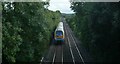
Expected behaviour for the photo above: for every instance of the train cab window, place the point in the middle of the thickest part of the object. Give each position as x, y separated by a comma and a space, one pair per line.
59, 33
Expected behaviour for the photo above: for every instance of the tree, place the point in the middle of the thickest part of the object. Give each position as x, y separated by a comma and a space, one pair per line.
97, 26
27, 29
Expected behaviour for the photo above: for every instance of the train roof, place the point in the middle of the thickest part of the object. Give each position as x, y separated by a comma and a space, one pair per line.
60, 27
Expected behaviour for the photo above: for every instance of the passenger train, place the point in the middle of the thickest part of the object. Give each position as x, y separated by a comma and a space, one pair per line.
59, 34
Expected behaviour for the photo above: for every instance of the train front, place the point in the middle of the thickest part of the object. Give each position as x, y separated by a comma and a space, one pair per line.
59, 34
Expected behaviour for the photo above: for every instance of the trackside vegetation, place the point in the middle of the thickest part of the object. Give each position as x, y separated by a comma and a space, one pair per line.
97, 25
26, 30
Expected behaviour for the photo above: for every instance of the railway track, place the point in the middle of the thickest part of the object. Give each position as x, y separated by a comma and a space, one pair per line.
76, 56
65, 53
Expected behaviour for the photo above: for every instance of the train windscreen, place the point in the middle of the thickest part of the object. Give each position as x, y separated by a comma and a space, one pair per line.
59, 33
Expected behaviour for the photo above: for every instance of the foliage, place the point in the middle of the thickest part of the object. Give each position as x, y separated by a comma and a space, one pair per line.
98, 27
26, 30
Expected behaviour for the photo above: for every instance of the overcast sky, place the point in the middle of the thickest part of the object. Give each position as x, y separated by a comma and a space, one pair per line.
62, 5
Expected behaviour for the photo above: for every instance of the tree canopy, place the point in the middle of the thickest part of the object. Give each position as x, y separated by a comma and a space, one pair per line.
26, 29
97, 25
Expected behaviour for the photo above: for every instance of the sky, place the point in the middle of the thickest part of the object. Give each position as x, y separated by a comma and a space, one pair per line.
62, 5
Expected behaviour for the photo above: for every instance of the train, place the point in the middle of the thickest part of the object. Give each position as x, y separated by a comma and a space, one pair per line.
59, 35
